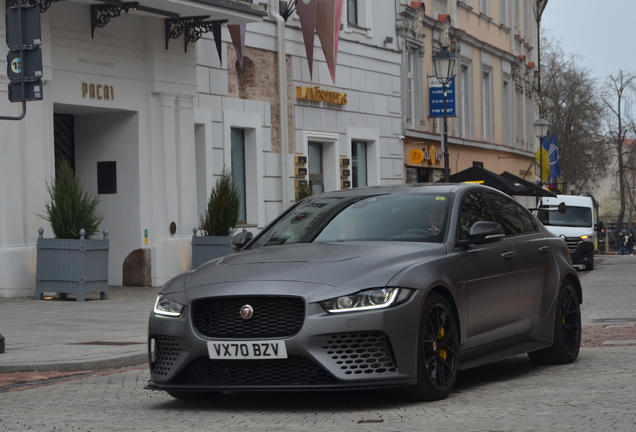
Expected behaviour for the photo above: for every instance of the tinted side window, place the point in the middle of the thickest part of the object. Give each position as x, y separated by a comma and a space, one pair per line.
513, 217
474, 209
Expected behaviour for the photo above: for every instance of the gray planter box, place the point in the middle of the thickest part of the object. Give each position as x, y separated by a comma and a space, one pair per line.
72, 266
206, 248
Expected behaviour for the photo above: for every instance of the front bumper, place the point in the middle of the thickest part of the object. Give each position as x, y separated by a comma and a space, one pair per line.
331, 351
583, 253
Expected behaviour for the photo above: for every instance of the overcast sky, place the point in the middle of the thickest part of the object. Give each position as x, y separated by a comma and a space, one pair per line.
601, 32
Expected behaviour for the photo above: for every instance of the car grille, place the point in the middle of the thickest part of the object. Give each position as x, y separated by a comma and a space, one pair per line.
290, 371
361, 353
572, 242
273, 317
166, 352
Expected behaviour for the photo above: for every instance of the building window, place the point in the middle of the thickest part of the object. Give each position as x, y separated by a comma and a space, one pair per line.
484, 7
410, 98
519, 117
515, 18
352, 12
413, 86
440, 6
465, 111
487, 106
315, 163
359, 164
507, 110
238, 168
503, 12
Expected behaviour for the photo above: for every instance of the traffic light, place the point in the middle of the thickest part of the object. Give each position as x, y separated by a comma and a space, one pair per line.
24, 60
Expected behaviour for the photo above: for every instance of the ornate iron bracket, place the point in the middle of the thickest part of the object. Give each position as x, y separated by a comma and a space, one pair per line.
193, 27
101, 14
194, 32
44, 4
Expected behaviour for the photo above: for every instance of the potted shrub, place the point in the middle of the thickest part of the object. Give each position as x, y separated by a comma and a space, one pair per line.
218, 222
72, 262
304, 190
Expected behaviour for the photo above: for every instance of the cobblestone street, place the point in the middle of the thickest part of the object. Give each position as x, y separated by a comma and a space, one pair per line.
593, 394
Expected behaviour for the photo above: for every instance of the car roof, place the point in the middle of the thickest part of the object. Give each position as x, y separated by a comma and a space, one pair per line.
406, 188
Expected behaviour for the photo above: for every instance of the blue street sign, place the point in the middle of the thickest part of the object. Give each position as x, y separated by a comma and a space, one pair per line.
436, 98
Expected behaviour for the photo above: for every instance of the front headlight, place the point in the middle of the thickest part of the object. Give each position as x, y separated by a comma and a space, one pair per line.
167, 307
376, 298
586, 238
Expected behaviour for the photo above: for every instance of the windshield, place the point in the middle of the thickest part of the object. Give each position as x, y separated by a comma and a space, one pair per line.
406, 217
573, 217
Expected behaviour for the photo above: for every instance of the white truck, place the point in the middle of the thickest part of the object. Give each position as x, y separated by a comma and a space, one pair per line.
576, 225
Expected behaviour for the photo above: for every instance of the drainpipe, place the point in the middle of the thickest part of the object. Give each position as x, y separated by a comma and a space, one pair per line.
282, 94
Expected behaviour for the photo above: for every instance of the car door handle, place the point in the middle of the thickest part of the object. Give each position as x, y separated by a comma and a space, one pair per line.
544, 249
508, 255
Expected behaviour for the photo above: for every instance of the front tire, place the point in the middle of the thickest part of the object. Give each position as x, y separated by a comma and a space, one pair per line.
567, 330
438, 351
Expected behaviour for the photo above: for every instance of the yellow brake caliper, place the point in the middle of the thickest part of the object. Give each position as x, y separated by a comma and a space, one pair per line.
442, 352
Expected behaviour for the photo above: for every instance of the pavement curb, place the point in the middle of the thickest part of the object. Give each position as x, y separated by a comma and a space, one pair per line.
78, 365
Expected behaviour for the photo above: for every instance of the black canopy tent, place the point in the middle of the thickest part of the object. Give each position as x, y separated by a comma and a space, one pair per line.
510, 184
534, 188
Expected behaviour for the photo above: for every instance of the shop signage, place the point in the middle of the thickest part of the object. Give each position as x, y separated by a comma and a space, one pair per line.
326, 96
98, 91
430, 155
436, 98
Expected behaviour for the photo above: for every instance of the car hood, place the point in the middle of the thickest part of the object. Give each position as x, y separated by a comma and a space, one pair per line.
346, 264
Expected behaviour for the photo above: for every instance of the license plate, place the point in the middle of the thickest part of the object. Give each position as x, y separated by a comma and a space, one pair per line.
242, 350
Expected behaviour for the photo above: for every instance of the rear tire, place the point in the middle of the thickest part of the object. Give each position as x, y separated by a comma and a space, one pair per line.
438, 351
567, 330
194, 395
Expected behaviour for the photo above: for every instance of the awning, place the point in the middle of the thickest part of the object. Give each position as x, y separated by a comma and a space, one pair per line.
234, 11
535, 189
480, 175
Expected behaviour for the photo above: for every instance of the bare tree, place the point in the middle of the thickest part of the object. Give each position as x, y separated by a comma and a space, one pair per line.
570, 102
617, 99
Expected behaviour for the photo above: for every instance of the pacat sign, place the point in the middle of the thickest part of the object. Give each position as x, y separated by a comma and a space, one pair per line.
98, 91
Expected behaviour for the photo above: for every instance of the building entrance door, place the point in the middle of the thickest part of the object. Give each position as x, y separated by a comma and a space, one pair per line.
64, 139
315, 162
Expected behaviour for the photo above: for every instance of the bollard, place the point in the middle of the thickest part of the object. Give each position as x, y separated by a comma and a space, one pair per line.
1, 344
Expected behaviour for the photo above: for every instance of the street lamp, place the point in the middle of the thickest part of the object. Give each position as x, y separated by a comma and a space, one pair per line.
444, 67
541, 127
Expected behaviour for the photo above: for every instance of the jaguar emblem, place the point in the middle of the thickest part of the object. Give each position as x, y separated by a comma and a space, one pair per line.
247, 311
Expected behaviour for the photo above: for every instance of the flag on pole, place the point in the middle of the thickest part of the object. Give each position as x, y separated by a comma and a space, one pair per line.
555, 160
544, 161
307, 15
237, 32
328, 17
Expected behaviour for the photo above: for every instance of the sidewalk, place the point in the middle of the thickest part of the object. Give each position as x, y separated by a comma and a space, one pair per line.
66, 335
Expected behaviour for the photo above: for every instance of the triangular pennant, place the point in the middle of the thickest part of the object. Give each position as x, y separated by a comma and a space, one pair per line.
328, 16
307, 15
216, 32
237, 32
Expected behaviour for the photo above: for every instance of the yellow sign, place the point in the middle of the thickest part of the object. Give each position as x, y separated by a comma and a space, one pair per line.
416, 156
315, 94
98, 91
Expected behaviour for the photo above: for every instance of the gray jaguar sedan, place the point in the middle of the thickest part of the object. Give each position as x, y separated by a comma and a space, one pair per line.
394, 286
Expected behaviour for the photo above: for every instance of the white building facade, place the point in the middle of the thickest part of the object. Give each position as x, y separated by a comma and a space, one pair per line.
127, 97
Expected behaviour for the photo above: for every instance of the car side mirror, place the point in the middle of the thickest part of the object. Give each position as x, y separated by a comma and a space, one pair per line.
241, 239
484, 232
562, 208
